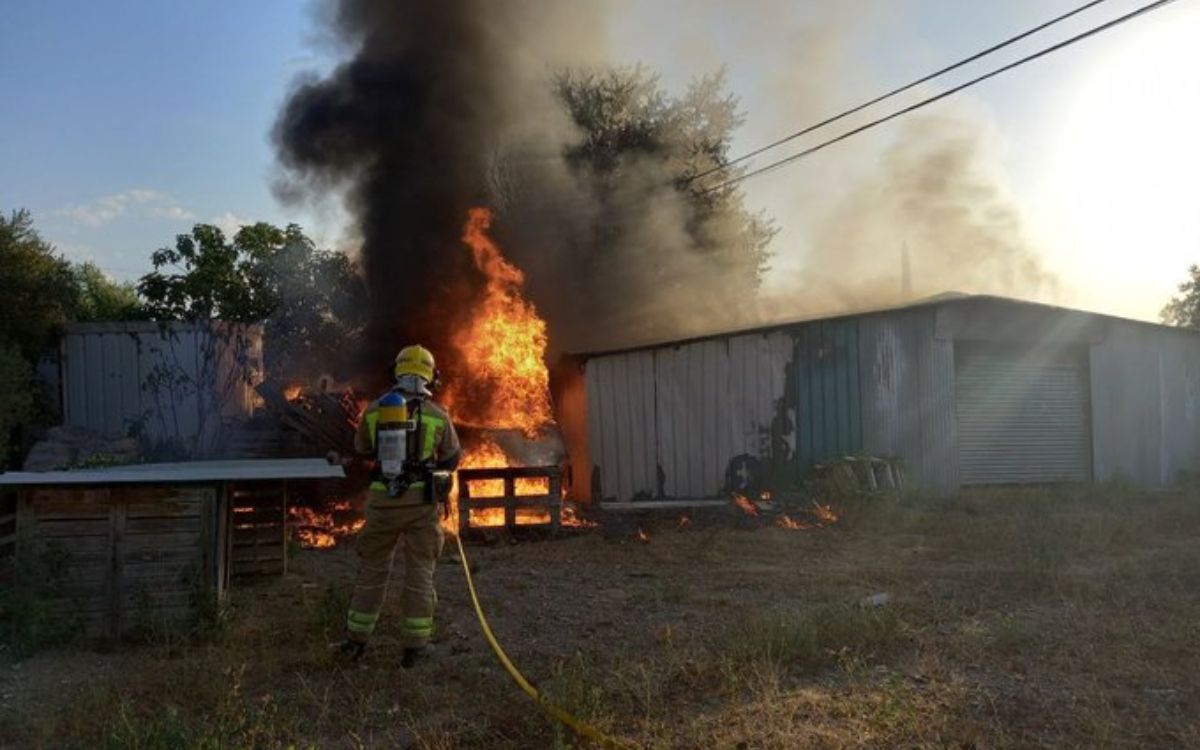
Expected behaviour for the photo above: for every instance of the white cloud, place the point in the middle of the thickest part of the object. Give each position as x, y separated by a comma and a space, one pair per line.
229, 223
107, 208
178, 213
145, 196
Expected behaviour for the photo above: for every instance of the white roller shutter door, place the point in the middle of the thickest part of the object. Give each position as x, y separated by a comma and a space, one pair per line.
1022, 415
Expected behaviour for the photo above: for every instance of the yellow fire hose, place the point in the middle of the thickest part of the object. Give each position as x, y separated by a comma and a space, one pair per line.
580, 727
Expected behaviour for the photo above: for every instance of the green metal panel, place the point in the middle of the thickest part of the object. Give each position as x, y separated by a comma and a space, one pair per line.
827, 394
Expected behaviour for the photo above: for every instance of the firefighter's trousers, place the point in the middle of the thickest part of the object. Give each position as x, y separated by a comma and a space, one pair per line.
409, 524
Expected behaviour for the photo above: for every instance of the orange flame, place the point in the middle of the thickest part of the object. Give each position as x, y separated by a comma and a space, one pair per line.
292, 392
785, 522
642, 536
822, 516
317, 530
503, 345
745, 504
488, 455
506, 384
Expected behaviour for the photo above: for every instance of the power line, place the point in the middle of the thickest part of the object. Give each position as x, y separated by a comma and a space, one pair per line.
899, 90
938, 97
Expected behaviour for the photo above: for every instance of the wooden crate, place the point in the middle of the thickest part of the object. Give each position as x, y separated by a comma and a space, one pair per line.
135, 553
258, 521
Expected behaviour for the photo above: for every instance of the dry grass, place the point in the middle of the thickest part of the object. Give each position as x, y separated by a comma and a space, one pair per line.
1046, 618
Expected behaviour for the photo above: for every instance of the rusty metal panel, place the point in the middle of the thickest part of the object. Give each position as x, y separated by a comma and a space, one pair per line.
757, 375
600, 429
571, 411
907, 381
639, 479
671, 420
1145, 404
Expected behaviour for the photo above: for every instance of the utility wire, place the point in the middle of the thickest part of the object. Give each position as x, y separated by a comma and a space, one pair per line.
938, 97
899, 90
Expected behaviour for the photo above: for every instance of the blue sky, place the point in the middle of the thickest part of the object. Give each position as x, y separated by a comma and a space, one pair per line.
125, 122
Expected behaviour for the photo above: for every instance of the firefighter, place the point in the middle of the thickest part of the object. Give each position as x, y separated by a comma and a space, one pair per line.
414, 447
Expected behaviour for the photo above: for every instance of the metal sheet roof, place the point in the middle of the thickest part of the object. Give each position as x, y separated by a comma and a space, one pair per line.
937, 301
190, 471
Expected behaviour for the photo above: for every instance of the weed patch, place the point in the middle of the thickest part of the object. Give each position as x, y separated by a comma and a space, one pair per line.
331, 612
813, 640
39, 608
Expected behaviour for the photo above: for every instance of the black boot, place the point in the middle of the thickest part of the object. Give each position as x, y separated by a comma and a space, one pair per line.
414, 654
350, 650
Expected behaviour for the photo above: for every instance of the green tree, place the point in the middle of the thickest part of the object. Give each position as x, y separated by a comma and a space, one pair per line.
622, 235
101, 298
18, 401
625, 120
39, 287
309, 300
1184, 310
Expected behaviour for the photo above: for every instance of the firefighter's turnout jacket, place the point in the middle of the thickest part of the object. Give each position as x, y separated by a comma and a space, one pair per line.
408, 522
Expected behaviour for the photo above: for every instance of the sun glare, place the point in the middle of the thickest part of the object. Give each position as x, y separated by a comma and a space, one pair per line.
1121, 179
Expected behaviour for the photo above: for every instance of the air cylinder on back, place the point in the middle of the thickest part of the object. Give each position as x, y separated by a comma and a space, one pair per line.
394, 427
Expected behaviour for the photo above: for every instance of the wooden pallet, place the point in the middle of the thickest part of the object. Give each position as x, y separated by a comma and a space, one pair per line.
258, 517
510, 501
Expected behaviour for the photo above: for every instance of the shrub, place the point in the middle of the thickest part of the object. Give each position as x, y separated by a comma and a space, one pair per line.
18, 401
38, 608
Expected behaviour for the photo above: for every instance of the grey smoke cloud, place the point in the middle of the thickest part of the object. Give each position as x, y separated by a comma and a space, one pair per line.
936, 191
442, 106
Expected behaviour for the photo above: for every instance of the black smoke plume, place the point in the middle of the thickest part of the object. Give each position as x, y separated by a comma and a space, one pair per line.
403, 128
443, 106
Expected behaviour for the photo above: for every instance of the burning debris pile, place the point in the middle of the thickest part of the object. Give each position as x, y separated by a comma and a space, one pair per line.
818, 516
501, 397
322, 420
297, 421
315, 529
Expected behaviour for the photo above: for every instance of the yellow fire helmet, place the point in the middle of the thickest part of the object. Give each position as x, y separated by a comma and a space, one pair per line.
416, 360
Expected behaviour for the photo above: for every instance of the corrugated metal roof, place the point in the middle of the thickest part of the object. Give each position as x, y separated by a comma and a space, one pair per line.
190, 471
946, 298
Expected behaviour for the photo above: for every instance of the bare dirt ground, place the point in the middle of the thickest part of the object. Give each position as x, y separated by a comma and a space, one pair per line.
1037, 618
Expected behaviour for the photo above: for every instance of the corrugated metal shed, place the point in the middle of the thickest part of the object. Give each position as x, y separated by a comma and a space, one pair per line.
1145, 386
666, 421
171, 381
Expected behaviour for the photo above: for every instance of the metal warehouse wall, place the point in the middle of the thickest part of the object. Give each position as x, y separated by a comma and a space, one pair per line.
667, 422
908, 395
1145, 404
119, 374
684, 411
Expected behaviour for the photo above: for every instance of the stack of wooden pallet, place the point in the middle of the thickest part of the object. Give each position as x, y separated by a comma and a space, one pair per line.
324, 421
853, 476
